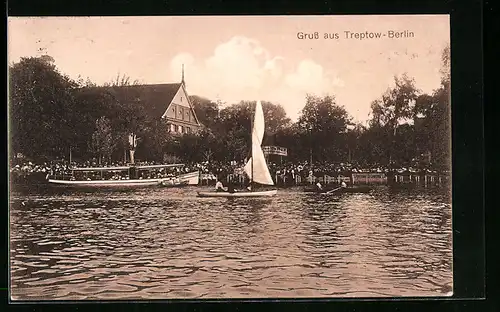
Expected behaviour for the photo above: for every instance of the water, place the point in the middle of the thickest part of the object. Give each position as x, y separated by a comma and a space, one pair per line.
165, 243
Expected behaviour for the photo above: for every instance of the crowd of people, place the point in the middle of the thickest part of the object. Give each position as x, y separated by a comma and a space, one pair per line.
219, 170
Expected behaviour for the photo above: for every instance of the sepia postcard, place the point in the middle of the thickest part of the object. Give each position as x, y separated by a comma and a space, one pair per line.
229, 157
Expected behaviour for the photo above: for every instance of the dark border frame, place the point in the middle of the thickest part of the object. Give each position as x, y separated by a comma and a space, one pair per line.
467, 133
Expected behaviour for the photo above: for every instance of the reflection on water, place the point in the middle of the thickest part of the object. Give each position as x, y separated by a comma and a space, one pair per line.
167, 243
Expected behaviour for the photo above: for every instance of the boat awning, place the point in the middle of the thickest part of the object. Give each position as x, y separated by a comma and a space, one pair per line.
159, 166
122, 168
101, 169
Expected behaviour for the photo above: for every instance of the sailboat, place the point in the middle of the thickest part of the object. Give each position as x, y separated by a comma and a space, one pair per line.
256, 167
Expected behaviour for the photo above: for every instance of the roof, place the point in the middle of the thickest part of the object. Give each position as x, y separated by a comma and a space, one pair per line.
155, 98
121, 168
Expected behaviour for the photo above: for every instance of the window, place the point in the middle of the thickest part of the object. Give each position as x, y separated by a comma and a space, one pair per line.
173, 110
181, 98
181, 112
172, 128
179, 129
188, 115
188, 130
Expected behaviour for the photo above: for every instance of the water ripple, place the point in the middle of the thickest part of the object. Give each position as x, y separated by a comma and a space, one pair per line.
167, 243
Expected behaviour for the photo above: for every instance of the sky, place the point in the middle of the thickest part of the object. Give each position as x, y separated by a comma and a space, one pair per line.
233, 58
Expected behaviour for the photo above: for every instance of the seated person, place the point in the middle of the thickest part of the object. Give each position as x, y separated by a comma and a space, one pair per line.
219, 187
319, 187
230, 188
343, 184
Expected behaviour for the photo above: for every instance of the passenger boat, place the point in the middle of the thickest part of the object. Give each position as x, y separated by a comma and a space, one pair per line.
123, 176
256, 167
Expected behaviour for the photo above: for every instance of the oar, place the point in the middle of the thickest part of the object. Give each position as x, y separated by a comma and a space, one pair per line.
331, 191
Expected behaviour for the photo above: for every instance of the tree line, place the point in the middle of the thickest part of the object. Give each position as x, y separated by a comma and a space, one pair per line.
51, 115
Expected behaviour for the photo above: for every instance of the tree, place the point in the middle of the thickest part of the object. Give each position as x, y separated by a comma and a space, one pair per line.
206, 110
442, 122
433, 118
121, 80
353, 137
446, 65
42, 108
102, 143
326, 123
129, 118
91, 104
395, 107
396, 104
155, 141
295, 140
275, 117
233, 130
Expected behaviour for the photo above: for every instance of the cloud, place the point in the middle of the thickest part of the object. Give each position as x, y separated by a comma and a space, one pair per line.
310, 77
242, 69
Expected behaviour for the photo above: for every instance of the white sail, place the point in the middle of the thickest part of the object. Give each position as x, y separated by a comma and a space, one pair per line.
260, 172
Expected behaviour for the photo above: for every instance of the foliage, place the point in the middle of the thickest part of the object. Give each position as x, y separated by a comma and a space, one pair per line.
396, 104
92, 104
326, 123
41, 108
395, 107
171, 159
446, 65
120, 81
102, 143
206, 111
50, 113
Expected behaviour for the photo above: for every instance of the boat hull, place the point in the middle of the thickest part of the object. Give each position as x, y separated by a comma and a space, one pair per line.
357, 189
191, 178
107, 183
352, 189
238, 194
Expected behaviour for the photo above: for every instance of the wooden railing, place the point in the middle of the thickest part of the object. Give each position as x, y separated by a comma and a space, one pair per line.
354, 178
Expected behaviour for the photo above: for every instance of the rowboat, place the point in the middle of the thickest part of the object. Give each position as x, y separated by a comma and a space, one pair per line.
340, 190
256, 167
356, 189
129, 177
238, 194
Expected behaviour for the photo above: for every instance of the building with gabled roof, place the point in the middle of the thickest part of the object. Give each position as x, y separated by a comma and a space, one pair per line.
169, 101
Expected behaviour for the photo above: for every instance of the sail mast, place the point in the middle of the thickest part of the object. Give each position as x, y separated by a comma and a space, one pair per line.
257, 164
251, 144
